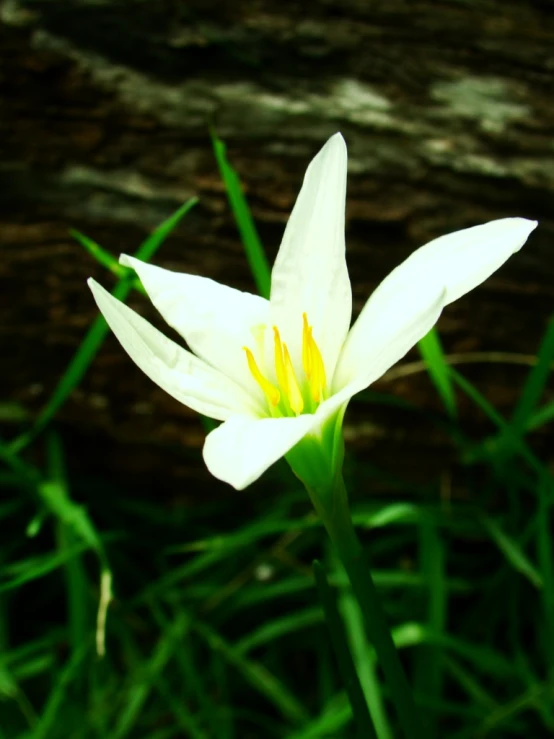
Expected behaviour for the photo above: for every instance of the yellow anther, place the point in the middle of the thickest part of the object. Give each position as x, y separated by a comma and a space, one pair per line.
312, 362
294, 395
270, 391
286, 392
280, 362
306, 355
286, 376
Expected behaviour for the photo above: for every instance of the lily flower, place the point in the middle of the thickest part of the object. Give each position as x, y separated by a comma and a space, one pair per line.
279, 373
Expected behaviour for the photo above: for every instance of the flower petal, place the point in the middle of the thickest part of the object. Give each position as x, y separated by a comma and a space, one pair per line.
390, 323
216, 321
241, 449
187, 378
310, 274
464, 259
409, 301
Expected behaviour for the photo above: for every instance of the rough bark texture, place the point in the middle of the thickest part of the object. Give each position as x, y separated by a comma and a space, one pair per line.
446, 107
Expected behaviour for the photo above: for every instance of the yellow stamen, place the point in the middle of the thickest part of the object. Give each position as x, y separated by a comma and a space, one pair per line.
286, 390
270, 391
294, 395
286, 376
313, 362
279, 362
306, 356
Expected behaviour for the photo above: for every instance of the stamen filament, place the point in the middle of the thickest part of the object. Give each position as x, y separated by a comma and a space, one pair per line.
312, 362
286, 392
286, 376
294, 396
306, 356
279, 362
270, 391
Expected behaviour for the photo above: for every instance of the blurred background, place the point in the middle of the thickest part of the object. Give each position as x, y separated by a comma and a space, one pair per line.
106, 108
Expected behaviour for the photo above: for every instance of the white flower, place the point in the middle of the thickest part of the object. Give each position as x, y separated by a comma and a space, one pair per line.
279, 371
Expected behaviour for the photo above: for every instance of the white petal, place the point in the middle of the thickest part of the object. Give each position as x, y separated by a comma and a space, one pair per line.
310, 273
464, 259
390, 323
187, 378
241, 449
216, 321
409, 301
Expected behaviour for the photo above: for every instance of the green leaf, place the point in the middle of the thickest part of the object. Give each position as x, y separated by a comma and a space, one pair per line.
249, 235
55, 495
431, 350
429, 665
330, 723
545, 556
102, 256
71, 514
90, 345
274, 629
490, 411
19, 573
147, 677
535, 382
29, 475
152, 243
363, 656
51, 712
541, 417
345, 661
513, 552
258, 676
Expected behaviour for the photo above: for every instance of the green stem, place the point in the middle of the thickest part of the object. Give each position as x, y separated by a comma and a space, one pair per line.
345, 661
338, 523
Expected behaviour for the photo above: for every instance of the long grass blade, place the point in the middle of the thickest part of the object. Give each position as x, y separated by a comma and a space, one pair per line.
363, 656
513, 552
545, 556
535, 383
432, 353
429, 675
256, 675
245, 223
90, 345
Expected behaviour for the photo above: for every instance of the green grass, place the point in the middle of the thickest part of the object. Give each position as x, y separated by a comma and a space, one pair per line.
216, 629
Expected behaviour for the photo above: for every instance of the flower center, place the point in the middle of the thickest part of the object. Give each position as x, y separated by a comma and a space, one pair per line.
289, 395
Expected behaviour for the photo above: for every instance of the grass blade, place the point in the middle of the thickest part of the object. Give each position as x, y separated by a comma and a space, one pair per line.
431, 350
97, 333
332, 720
249, 235
545, 556
147, 678
102, 256
50, 717
364, 659
152, 243
279, 627
429, 678
535, 382
498, 420
513, 552
541, 417
256, 675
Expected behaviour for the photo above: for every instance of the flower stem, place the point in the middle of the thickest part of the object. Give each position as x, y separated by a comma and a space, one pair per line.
338, 523
350, 678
